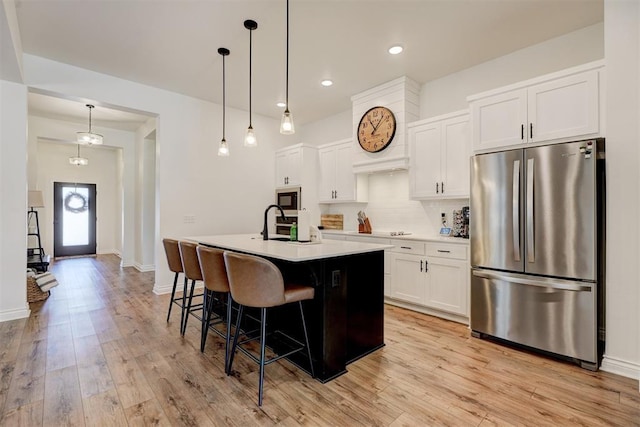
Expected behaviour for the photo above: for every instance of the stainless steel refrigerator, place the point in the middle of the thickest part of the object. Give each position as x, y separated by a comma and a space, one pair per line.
537, 248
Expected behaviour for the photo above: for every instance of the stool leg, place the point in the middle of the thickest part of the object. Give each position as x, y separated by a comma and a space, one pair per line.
306, 340
228, 337
188, 310
207, 307
263, 339
173, 294
235, 338
184, 302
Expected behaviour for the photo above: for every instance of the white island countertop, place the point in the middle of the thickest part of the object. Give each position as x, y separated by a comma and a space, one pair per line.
288, 251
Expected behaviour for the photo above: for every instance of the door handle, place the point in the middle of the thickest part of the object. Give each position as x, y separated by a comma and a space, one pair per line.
426, 266
542, 282
530, 130
437, 190
531, 257
336, 194
515, 210
442, 187
522, 131
420, 266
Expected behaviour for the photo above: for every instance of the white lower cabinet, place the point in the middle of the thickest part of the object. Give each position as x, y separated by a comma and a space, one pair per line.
437, 280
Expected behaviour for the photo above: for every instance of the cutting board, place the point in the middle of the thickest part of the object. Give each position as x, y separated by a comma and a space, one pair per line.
332, 221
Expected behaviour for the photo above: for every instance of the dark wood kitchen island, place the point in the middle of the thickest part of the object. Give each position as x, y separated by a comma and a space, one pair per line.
345, 319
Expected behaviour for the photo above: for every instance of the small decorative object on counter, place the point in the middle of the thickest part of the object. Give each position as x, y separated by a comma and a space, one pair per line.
293, 234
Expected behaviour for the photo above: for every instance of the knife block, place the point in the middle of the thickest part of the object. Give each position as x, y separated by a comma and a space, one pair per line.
365, 228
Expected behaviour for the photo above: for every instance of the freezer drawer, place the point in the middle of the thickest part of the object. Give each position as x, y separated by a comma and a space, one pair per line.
554, 315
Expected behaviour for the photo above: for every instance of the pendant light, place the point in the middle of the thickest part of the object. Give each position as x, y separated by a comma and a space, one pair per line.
250, 137
286, 125
77, 160
89, 138
223, 149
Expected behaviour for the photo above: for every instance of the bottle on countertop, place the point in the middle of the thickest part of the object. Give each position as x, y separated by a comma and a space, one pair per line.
293, 233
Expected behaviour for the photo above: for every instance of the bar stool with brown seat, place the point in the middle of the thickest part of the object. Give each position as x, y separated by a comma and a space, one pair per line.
257, 282
172, 251
191, 267
214, 275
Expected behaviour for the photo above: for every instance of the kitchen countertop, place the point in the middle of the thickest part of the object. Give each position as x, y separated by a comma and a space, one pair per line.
287, 251
386, 235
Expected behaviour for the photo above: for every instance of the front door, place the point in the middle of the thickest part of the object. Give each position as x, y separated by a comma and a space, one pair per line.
74, 219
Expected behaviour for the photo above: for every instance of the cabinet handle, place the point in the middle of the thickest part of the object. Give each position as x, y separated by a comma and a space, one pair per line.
522, 131
426, 266
444, 252
531, 130
405, 247
336, 194
442, 187
437, 190
420, 266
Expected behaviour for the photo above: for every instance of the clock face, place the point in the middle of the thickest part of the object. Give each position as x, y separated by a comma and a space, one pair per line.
376, 129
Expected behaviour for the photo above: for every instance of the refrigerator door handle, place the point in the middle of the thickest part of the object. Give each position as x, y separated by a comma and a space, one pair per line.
542, 282
531, 257
516, 210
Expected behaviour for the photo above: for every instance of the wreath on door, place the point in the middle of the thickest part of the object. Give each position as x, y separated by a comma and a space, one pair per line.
75, 202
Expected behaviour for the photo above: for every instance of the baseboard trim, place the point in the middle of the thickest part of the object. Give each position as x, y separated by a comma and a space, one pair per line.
427, 310
143, 268
14, 314
621, 367
166, 289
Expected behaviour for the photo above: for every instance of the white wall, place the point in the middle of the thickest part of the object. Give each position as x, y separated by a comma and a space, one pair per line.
622, 52
102, 171
226, 195
145, 206
13, 201
449, 93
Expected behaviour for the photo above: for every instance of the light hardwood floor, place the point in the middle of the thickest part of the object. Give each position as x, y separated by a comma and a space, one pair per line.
99, 352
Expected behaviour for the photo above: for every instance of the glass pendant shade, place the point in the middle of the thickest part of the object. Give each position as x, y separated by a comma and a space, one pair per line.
223, 149
250, 138
79, 161
89, 138
286, 125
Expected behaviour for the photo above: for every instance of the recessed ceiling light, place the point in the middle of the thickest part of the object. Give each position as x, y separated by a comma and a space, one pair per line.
281, 104
326, 83
394, 50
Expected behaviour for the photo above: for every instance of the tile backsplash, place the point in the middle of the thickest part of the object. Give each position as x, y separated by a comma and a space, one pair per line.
390, 209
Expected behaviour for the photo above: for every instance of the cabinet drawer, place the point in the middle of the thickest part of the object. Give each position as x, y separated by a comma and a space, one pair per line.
447, 250
408, 247
367, 239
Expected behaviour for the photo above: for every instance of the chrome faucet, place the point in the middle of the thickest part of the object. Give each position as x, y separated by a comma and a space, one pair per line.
265, 231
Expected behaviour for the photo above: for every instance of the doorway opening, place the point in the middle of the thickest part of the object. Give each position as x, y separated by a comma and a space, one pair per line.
74, 219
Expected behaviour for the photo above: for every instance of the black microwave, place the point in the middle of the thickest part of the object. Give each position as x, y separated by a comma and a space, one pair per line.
289, 199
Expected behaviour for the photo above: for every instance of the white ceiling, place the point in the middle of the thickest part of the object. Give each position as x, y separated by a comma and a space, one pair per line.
172, 44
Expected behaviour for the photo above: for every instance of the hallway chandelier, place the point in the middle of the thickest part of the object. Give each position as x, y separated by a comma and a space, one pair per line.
77, 160
223, 149
250, 137
286, 125
89, 138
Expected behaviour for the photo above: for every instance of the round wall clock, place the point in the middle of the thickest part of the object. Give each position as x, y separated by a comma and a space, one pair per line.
376, 129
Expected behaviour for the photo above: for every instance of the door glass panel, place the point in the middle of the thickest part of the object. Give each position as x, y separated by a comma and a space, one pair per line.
75, 216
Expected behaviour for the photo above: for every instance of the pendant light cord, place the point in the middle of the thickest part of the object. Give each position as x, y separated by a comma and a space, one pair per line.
223, 98
250, 57
287, 68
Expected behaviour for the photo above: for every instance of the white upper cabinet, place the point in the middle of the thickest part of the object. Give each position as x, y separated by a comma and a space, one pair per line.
553, 108
564, 107
337, 182
288, 165
499, 120
440, 150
